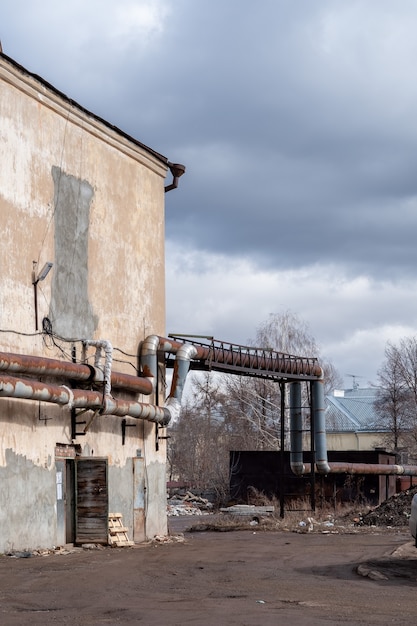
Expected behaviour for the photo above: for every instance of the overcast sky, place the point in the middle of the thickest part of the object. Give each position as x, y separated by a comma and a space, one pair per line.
296, 120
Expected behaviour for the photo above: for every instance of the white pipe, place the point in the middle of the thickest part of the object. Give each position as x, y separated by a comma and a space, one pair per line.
181, 368
103, 344
28, 389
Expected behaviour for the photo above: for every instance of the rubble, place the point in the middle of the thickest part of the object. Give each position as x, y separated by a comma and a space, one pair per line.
188, 504
392, 512
248, 509
26, 554
160, 539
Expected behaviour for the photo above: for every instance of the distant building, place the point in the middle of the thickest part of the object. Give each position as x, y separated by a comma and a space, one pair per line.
354, 434
351, 420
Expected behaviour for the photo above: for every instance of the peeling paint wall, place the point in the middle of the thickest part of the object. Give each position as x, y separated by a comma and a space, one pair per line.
27, 493
75, 192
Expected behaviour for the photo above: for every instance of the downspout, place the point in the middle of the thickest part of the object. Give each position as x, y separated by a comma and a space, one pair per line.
176, 170
296, 430
317, 393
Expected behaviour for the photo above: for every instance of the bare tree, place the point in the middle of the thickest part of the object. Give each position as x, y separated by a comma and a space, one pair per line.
287, 332
198, 447
396, 401
231, 412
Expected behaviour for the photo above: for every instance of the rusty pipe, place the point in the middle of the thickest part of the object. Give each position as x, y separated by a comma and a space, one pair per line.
26, 389
149, 359
41, 366
271, 361
373, 468
139, 410
149, 365
181, 369
368, 468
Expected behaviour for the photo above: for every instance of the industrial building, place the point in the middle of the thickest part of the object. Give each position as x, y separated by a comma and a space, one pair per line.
81, 287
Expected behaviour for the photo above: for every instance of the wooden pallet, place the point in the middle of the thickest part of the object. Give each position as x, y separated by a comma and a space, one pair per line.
117, 532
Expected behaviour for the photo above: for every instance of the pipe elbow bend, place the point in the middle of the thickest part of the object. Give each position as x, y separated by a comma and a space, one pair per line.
173, 408
323, 467
298, 468
150, 345
186, 352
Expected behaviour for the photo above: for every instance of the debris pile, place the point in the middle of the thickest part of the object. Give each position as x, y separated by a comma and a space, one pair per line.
188, 504
392, 512
248, 510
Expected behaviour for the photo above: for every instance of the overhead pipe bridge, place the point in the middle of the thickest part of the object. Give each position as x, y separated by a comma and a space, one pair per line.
230, 358
85, 387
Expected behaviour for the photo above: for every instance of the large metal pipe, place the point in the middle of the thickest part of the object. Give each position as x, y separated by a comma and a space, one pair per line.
41, 366
368, 468
235, 356
375, 468
296, 429
26, 389
318, 408
149, 359
246, 357
181, 369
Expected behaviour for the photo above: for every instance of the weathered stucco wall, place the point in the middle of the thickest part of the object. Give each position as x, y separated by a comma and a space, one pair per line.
78, 193
74, 192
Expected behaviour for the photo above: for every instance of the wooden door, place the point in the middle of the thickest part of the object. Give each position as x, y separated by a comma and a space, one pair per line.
91, 507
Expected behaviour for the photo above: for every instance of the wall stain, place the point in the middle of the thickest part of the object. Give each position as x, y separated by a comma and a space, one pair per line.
71, 313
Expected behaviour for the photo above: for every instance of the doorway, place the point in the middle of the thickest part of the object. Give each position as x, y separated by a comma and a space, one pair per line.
65, 492
82, 500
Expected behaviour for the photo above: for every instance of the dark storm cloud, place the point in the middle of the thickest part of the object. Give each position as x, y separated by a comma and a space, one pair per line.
295, 119
296, 122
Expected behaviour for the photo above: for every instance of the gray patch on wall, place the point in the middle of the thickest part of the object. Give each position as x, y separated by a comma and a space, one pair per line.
27, 504
71, 313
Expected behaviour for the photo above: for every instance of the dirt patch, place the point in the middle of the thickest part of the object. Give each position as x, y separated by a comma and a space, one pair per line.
242, 578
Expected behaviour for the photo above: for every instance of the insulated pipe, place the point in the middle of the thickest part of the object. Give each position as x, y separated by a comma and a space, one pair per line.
105, 345
33, 390
368, 468
271, 361
26, 389
149, 365
296, 430
318, 408
149, 359
41, 366
181, 369
149, 412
